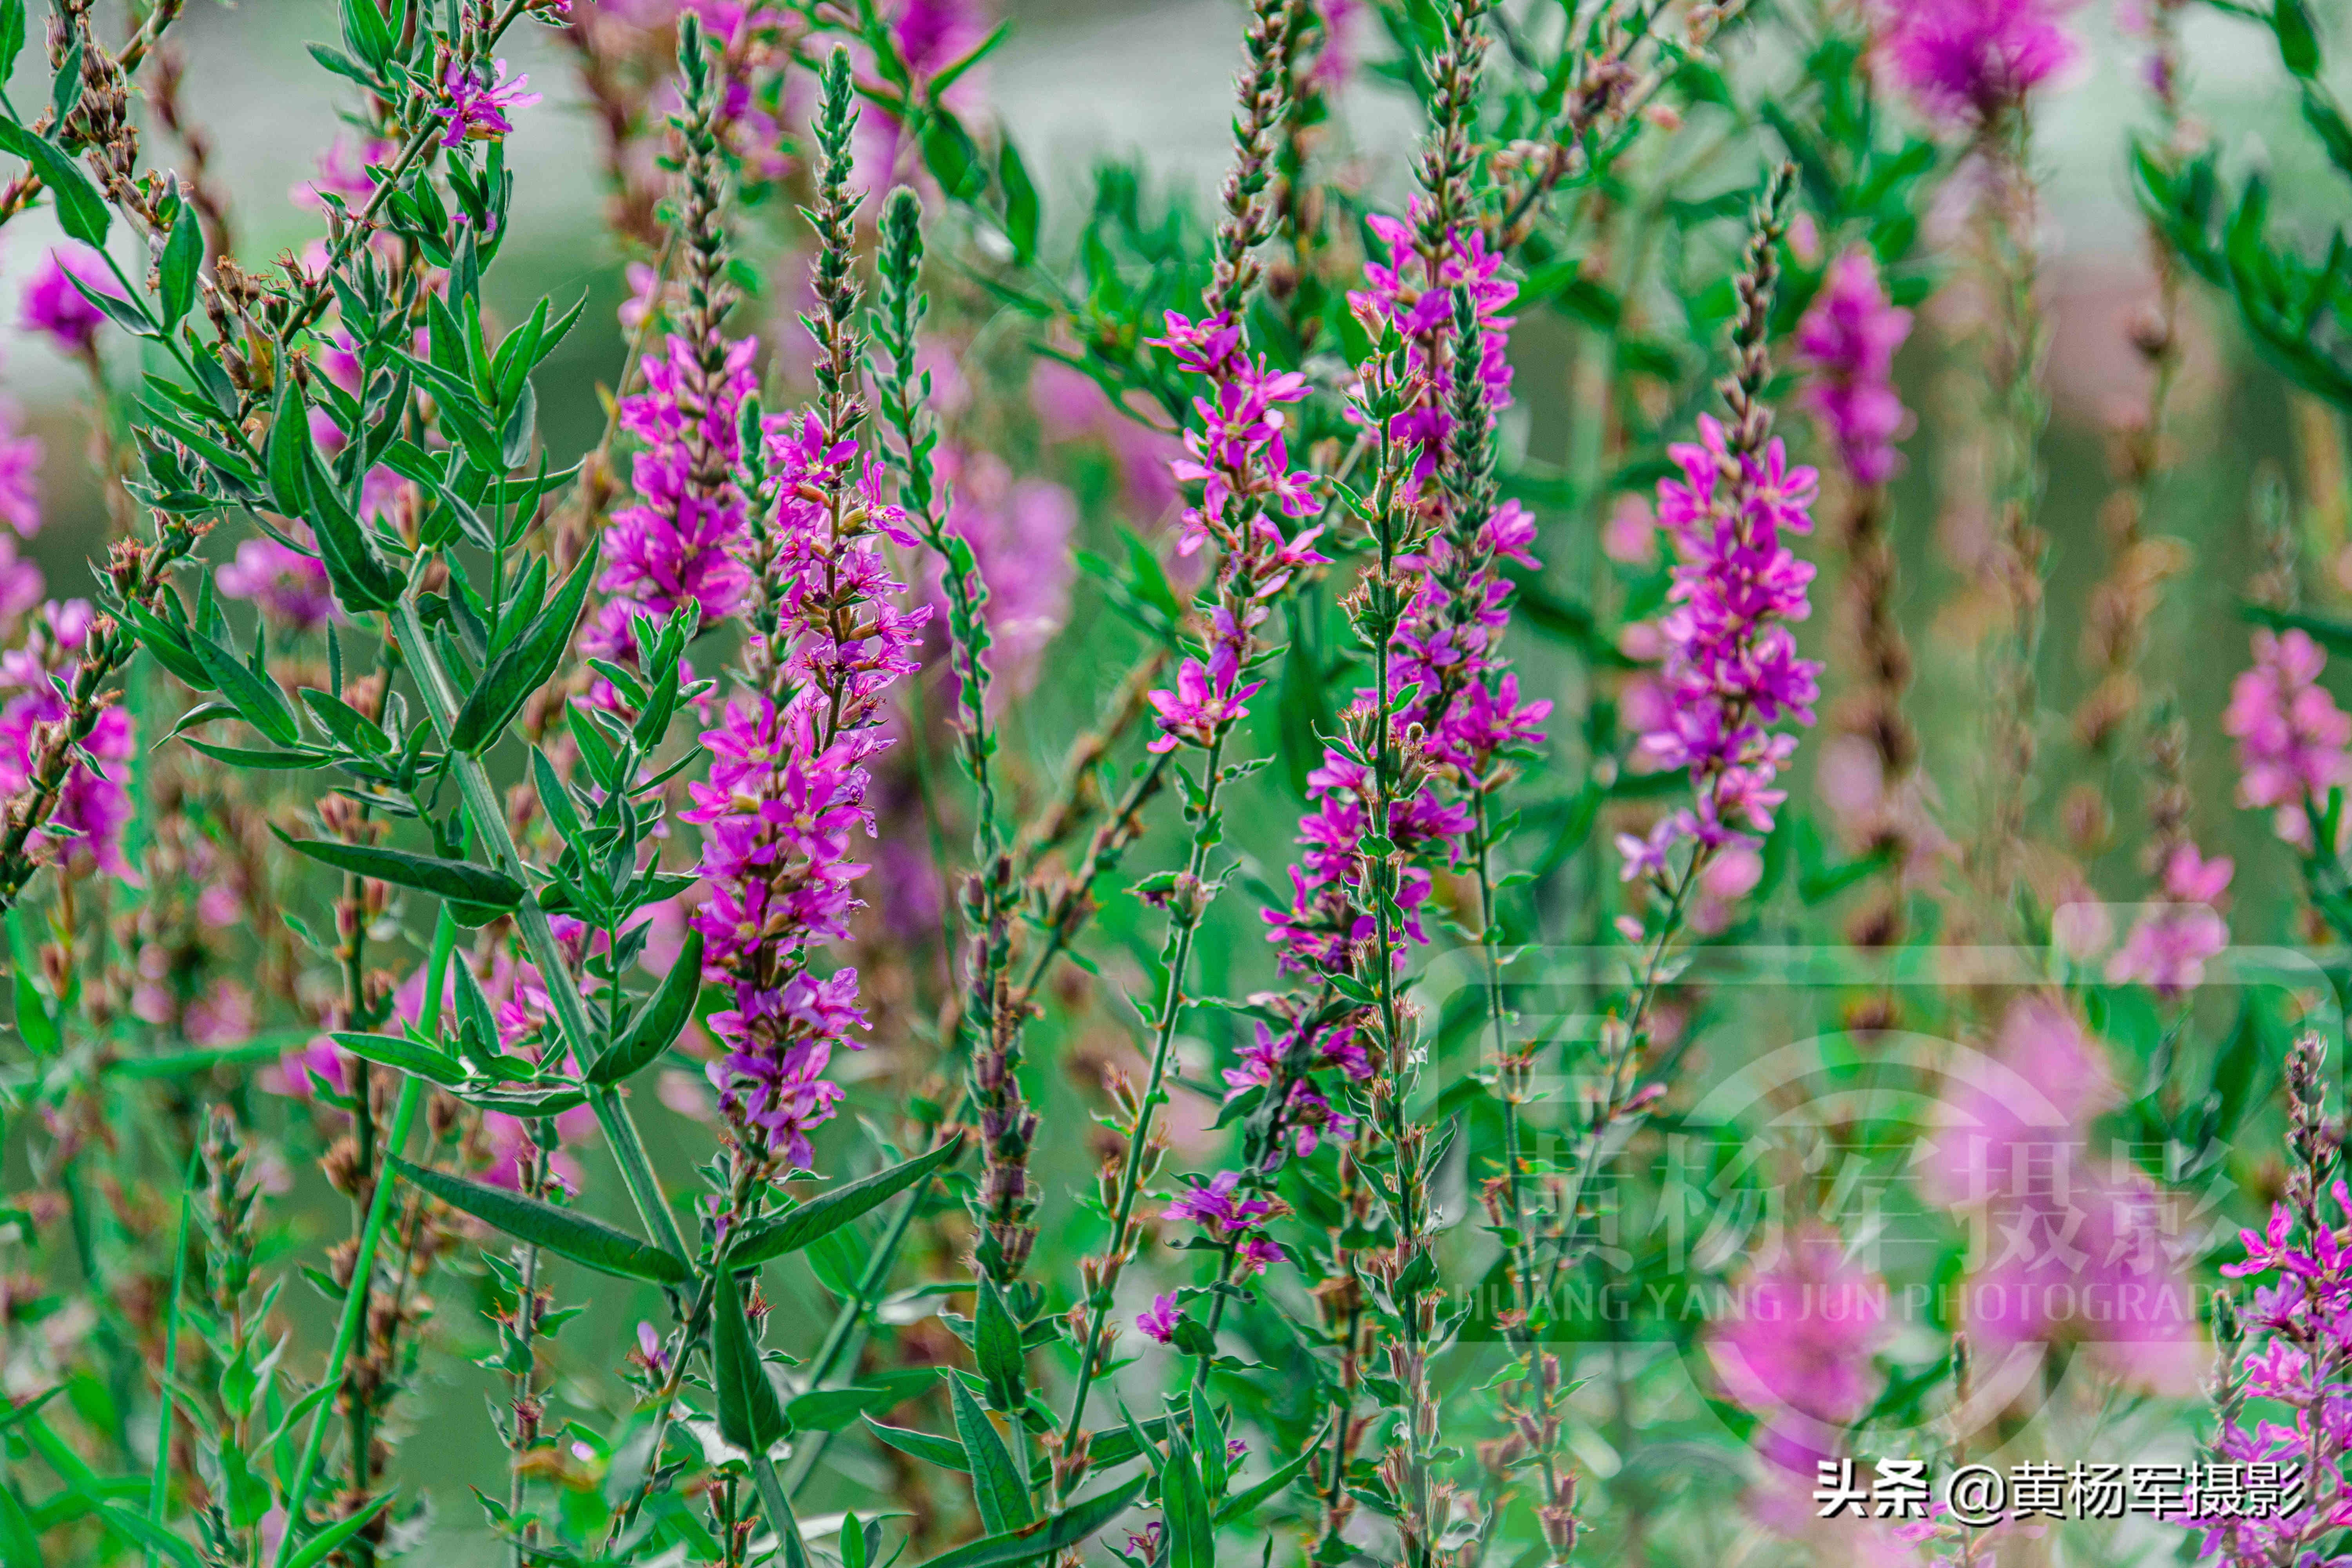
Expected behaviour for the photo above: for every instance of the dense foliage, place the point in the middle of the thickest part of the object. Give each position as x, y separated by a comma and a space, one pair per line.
1104, 872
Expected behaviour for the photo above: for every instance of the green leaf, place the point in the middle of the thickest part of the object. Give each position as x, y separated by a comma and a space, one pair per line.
1021, 210
1071, 1527
317, 1549
660, 1021
831, 1409
34, 1023
2298, 40
523, 666
12, 35
945, 1453
356, 568
257, 700
749, 1416
20, 1544
996, 1346
287, 453
407, 1055
1184, 1505
822, 1215
996, 1486
1244, 1505
184, 253
148, 1533
461, 881
258, 758
590, 1242
82, 211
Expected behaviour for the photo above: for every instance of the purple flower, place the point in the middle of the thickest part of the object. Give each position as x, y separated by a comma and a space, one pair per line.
1795, 1344
290, 586
1847, 343
343, 173
1206, 702
788, 782
2072, 1242
55, 308
1402, 295
20, 468
1730, 669
1238, 457
2291, 735
474, 100
2168, 948
1158, 1323
1217, 1208
2288, 1419
678, 541
1974, 59
1335, 54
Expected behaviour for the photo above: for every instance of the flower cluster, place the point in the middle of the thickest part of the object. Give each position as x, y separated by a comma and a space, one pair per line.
1798, 1349
1731, 669
2291, 735
1402, 295
1846, 343
788, 782
1240, 459
1967, 60
1232, 1220
2081, 1255
1306, 1117
2300, 1323
2167, 947
475, 98
679, 540
1020, 533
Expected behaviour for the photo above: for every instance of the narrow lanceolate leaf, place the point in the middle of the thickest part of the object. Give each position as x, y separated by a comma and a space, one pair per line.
1244, 1505
996, 1346
321, 1546
945, 1453
356, 568
1071, 1527
750, 1416
148, 1533
182, 254
461, 881
524, 665
996, 1486
255, 695
82, 211
659, 1023
795, 1228
588, 1242
1184, 1506
406, 1055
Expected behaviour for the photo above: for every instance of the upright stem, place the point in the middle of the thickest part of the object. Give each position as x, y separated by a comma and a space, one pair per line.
1188, 911
563, 997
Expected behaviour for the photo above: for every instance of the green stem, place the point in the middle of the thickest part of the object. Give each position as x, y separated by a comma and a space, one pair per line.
562, 990
347, 1331
158, 1491
779, 1510
1171, 1007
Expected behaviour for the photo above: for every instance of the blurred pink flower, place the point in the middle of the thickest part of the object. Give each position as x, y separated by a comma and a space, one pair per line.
290, 587
1965, 60
20, 467
53, 307
2291, 735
